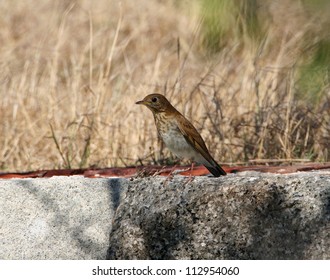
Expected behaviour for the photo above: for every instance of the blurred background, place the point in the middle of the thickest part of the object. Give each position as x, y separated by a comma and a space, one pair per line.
253, 76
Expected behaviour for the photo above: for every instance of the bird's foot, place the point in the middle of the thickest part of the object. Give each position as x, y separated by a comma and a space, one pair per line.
189, 180
170, 176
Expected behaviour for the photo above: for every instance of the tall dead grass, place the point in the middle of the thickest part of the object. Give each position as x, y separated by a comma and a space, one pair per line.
71, 72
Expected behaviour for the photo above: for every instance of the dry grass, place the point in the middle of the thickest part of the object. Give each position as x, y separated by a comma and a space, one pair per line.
71, 72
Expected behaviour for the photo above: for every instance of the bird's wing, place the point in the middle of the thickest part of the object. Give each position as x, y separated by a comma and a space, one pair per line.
196, 141
193, 137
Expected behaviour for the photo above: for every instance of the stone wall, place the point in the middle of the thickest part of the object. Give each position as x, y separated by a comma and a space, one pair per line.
248, 215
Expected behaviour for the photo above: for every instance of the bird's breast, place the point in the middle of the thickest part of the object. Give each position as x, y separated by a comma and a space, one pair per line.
174, 140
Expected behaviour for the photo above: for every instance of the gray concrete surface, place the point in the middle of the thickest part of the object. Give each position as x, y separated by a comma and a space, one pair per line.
57, 218
248, 215
245, 216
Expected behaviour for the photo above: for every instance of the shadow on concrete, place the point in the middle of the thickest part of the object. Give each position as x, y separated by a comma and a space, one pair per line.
62, 222
283, 229
278, 226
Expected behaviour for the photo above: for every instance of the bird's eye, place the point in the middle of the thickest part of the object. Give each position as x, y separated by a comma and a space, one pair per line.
154, 99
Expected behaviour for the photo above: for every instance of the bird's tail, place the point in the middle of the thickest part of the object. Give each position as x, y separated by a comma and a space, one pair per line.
215, 168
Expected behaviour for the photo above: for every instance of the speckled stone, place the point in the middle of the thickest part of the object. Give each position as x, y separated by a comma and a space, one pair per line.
248, 215
57, 218
239, 216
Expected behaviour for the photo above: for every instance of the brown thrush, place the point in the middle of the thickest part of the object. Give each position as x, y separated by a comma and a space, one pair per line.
178, 134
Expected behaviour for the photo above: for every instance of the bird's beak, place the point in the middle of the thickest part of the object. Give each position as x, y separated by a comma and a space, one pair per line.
141, 102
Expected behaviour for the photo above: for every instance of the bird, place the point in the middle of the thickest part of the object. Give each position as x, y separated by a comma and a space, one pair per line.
178, 134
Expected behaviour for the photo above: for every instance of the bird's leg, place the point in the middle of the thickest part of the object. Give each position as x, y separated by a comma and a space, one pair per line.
187, 169
170, 175
190, 178
192, 168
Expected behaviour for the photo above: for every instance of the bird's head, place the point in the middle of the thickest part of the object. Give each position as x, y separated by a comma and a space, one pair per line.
156, 102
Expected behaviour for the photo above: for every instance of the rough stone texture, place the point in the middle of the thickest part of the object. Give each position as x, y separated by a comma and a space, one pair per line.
245, 216
57, 218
